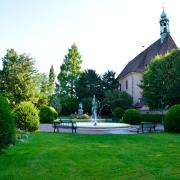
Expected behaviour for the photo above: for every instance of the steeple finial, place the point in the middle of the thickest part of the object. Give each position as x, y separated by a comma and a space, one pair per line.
164, 25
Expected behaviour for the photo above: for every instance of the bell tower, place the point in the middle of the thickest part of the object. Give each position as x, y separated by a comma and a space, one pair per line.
164, 25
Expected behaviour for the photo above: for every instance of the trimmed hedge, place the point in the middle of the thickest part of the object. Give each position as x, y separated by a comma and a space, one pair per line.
7, 124
132, 116
27, 116
157, 118
47, 114
172, 119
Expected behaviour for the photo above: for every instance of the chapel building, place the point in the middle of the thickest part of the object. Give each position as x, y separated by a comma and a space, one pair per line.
131, 75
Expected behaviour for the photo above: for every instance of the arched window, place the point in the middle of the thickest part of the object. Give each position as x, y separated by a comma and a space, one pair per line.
126, 84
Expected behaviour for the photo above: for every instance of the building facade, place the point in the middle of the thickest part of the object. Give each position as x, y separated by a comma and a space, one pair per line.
131, 76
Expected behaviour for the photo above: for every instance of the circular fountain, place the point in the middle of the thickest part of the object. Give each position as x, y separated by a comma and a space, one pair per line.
101, 125
95, 124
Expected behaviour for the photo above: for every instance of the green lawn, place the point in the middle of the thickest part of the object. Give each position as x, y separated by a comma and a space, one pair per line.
74, 156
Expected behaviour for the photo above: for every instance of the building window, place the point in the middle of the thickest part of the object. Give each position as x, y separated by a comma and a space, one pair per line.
120, 86
126, 84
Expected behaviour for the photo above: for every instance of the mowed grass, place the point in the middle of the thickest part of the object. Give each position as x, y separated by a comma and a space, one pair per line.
74, 156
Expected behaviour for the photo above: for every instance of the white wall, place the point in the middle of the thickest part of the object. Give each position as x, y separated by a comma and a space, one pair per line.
134, 90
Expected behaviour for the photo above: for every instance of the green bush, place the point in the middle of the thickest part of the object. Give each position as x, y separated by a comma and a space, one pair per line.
132, 116
157, 118
118, 112
116, 98
172, 119
27, 116
106, 111
7, 124
77, 116
69, 105
47, 114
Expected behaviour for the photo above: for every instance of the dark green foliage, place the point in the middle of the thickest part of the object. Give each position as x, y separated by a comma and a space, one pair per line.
87, 105
7, 124
27, 117
116, 98
69, 72
132, 116
69, 105
161, 80
47, 114
51, 85
109, 80
157, 118
106, 111
18, 78
172, 119
55, 99
89, 84
118, 112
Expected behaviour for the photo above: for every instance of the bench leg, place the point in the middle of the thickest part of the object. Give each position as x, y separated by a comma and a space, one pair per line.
137, 130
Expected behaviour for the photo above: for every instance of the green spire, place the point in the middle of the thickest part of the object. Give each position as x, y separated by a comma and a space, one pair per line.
164, 25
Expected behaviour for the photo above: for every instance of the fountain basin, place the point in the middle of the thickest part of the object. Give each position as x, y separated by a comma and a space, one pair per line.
101, 125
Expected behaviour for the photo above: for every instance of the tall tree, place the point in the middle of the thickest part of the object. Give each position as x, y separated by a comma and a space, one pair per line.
70, 71
18, 77
161, 80
109, 80
51, 85
90, 84
43, 89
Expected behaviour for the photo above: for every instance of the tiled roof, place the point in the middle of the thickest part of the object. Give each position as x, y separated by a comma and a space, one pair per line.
139, 63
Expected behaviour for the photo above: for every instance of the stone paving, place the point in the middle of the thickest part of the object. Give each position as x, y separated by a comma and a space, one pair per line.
132, 130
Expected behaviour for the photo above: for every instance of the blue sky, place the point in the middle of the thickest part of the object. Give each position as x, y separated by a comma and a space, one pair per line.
108, 33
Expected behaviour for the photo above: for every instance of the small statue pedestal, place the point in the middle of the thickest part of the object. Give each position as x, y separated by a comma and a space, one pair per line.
80, 111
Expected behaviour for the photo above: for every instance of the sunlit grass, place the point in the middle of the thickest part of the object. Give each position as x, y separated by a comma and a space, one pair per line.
75, 156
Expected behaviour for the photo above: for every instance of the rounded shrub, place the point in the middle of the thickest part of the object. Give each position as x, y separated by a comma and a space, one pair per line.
172, 119
132, 116
27, 116
118, 112
7, 124
47, 114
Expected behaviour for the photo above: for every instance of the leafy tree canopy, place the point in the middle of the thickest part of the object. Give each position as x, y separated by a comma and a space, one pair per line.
161, 80
89, 84
18, 77
116, 98
109, 80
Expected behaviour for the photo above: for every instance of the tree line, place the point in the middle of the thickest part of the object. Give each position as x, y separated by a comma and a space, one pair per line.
21, 81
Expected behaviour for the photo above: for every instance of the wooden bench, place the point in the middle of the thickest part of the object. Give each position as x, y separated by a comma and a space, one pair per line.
146, 126
69, 124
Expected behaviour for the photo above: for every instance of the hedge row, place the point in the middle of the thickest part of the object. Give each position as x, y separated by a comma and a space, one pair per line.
7, 124
157, 118
133, 116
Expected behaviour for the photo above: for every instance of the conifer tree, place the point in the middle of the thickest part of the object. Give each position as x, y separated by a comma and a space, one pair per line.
69, 72
52, 77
